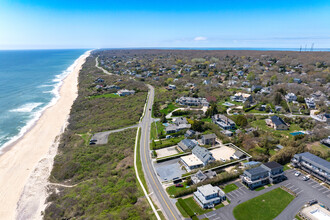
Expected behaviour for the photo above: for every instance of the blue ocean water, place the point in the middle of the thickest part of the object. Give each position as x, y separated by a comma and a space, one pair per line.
29, 83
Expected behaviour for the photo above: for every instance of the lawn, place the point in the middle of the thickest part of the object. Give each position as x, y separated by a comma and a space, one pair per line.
229, 188
264, 207
261, 124
207, 120
170, 107
324, 150
109, 95
171, 190
167, 142
157, 128
259, 188
195, 207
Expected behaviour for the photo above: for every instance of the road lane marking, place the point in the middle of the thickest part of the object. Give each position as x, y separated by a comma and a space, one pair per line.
145, 154
299, 192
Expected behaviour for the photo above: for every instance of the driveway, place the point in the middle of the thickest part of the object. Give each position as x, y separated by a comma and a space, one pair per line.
305, 190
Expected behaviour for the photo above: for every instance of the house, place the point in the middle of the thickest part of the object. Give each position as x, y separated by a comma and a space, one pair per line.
265, 90
223, 122
203, 154
275, 171
171, 87
310, 103
262, 108
238, 155
125, 92
200, 176
278, 108
99, 80
326, 141
245, 83
279, 147
277, 123
256, 88
270, 172
171, 129
206, 82
290, 97
187, 144
191, 162
180, 120
190, 101
297, 80
227, 133
207, 196
112, 87
209, 139
251, 164
241, 97
189, 133
312, 164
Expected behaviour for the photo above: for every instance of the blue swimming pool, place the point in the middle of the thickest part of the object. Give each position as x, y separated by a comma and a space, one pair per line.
297, 133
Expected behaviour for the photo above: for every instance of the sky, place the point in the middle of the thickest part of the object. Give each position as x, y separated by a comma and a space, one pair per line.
55, 24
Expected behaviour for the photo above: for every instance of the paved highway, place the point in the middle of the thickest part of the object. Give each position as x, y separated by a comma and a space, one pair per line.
155, 187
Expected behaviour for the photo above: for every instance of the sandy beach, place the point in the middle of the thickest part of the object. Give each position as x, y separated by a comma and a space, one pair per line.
26, 165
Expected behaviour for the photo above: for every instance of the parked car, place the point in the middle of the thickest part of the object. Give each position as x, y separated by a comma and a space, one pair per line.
305, 178
312, 202
297, 173
92, 143
179, 185
168, 136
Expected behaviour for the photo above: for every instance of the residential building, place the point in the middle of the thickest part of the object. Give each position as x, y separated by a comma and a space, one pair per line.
297, 80
209, 139
277, 123
125, 92
256, 88
278, 108
180, 120
190, 101
191, 162
173, 128
270, 172
241, 97
171, 87
203, 154
189, 133
290, 97
187, 144
200, 176
326, 141
313, 164
223, 122
207, 196
310, 103
227, 133
238, 155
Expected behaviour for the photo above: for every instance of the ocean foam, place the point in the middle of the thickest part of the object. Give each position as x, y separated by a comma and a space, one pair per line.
36, 115
27, 107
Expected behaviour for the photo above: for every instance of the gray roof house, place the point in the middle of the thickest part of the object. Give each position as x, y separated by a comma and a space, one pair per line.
207, 196
313, 164
190, 133
209, 139
180, 120
200, 176
223, 122
278, 123
255, 177
238, 155
187, 144
203, 154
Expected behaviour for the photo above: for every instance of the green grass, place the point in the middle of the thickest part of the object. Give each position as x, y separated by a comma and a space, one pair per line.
109, 95
153, 131
195, 207
207, 120
167, 142
259, 188
324, 150
264, 207
229, 188
170, 107
86, 137
183, 212
139, 163
261, 124
286, 167
171, 190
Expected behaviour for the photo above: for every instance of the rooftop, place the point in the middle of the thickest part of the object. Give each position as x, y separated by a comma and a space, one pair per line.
272, 165
192, 160
323, 164
256, 170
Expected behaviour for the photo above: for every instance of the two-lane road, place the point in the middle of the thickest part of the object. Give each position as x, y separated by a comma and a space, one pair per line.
155, 187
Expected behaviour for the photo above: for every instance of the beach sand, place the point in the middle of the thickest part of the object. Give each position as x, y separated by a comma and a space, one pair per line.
26, 165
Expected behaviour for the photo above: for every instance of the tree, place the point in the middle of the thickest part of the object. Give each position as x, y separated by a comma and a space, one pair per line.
212, 110
163, 118
197, 126
241, 120
277, 98
300, 99
250, 76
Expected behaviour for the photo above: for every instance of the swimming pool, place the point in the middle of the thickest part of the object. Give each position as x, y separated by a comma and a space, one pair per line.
228, 104
297, 133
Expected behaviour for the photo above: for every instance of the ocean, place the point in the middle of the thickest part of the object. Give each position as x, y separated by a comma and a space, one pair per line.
29, 83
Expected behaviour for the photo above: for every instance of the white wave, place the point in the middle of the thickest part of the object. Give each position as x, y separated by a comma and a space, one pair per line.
27, 107
37, 114
46, 85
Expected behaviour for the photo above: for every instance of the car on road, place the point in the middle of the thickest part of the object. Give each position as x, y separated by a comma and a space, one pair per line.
179, 185
297, 173
305, 178
312, 202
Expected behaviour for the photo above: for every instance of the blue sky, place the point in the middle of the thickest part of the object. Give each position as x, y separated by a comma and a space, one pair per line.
42, 24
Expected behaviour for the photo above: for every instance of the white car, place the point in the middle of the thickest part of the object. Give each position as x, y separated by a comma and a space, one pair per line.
305, 178
297, 173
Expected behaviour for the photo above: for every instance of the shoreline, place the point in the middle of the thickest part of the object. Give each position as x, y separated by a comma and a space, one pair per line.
21, 160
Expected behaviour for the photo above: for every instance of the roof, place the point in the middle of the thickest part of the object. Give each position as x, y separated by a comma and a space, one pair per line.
180, 120
192, 160
208, 189
200, 175
256, 170
239, 153
277, 120
209, 136
171, 128
202, 153
251, 163
321, 163
187, 144
279, 146
273, 165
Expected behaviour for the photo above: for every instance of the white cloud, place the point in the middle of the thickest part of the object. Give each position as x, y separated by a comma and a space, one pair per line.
200, 39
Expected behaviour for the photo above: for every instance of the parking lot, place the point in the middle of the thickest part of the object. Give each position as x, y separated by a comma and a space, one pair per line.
169, 169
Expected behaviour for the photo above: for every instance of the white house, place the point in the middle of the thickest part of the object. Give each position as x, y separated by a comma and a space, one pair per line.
207, 196
290, 97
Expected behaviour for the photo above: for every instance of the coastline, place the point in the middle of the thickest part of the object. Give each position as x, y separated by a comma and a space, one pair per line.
33, 153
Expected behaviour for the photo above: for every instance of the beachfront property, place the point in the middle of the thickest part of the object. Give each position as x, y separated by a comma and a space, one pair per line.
209, 139
207, 196
241, 97
187, 144
290, 97
312, 164
277, 123
200, 176
270, 172
190, 101
125, 92
310, 103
